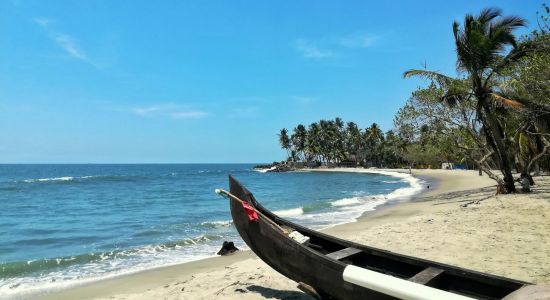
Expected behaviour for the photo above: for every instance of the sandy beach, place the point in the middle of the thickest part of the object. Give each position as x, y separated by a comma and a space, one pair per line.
458, 221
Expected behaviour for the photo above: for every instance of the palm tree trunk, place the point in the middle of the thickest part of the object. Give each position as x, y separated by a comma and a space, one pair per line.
493, 132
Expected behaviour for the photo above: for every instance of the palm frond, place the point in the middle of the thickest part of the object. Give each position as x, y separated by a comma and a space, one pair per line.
488, 14
509, 22
430, 75
514, 55
506, 102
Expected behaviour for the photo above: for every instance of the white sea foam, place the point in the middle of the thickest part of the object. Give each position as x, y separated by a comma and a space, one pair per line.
65, 178
289, 212
415, 184
108, 266
226, 223
346, 201
348, 209
265, 170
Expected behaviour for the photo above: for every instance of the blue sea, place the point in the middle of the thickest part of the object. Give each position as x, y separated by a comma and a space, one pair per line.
64, 225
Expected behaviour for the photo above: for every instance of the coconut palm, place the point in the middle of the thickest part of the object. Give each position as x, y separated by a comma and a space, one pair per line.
284, 141
338, 148
353, 141
298, 139
481, 48
373, 141
313, 141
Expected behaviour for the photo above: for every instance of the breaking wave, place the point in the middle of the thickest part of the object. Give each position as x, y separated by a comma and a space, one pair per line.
289, 212
68, 179
217, 224
345, 210
63, 272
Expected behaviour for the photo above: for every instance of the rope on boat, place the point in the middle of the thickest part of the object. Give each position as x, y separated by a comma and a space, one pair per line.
225, 193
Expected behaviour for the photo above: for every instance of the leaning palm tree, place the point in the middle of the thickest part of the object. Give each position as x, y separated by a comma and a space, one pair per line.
482, 45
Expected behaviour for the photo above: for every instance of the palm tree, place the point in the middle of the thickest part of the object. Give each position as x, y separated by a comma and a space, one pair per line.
313, 141
373, 139
284, 140
389, 149
339, 140
481, 48
325, 139
298, 139
353, 141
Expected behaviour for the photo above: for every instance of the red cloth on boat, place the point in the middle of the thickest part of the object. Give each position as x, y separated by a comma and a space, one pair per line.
252, 215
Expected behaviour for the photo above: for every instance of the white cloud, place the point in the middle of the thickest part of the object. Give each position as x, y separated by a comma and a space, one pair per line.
65, 41
334, 46
358, 41
308, 50
169, 110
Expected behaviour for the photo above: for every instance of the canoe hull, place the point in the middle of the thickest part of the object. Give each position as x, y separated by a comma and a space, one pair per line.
290, 258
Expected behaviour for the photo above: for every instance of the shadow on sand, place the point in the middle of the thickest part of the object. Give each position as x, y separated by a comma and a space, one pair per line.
278, 294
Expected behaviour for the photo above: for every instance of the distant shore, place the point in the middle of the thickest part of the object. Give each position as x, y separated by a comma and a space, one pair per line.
457, 221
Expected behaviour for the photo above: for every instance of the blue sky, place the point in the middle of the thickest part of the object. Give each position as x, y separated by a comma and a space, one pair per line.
208, 81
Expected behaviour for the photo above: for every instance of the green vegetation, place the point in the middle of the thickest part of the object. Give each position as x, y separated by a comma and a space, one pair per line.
333, 142
494, 115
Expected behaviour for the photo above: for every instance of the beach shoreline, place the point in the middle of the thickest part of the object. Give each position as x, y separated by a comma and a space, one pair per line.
245, 276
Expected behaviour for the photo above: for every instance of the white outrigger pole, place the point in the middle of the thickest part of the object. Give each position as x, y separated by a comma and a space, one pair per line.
396, 287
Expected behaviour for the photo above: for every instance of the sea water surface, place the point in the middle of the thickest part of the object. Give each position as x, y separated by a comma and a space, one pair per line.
63, 225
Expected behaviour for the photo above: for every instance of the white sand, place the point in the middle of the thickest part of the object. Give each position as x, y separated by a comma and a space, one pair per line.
505, 235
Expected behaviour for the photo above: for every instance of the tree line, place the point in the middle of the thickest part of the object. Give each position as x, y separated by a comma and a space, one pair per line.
333, 141
494, 115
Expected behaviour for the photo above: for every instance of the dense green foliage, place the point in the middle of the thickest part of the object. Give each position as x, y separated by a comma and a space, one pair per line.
333, 141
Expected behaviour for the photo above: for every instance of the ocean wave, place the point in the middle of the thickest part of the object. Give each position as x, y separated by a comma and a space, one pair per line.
67, 179
349, 209
265, 170
25, 278
340, 214
217, 224
359, 193
330, 213
64, 178
346, 201
289, 212
14, 269
415, 184
62, 273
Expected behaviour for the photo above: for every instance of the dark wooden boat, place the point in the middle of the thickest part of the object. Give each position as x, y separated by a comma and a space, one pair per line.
321, 262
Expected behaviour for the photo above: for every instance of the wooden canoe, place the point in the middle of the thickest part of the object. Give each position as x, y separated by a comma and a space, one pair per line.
320, 262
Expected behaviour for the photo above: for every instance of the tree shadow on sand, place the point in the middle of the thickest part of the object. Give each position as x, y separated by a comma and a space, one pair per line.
477, 194
278, 294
